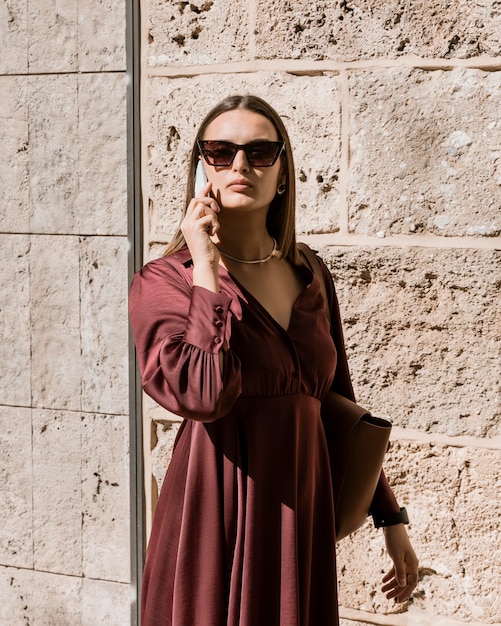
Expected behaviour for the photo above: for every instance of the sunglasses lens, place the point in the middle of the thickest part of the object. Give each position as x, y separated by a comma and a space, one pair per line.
263, 154
218, 153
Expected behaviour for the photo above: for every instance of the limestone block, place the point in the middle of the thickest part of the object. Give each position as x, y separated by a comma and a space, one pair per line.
15, 340
105, 492
101, 35
52, 28
13, 38
53, 153
422, 334
104, 328
39, 598
55, 322
57, 492
197, 33
101, 204
346, 31
310, 109
425, 152
453, 496
77, 154
14, 188
164, 435
105, 603
16, 547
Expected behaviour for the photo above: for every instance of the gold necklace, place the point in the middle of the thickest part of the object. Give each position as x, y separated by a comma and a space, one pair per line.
273, 253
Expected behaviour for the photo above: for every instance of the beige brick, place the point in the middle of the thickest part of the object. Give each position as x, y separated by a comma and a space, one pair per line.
310, 109
422, 334
53, 154
101, 202
13, 39
103, 321
105, 489
105, 603
77, 154
14, 188
345, 31
453, 496
164, 436
57, 496
16, 547
101, 35
55, 322
52, 26
425, 152
15, 348
40, 598
197, 33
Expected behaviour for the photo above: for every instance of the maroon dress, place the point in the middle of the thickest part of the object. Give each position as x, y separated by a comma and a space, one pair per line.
243, 532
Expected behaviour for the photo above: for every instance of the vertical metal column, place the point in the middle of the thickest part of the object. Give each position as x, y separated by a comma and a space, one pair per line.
135, 241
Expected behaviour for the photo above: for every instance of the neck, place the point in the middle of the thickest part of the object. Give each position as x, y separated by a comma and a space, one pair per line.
246, 241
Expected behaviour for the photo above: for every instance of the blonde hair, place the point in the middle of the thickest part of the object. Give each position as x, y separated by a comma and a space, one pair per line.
281, 219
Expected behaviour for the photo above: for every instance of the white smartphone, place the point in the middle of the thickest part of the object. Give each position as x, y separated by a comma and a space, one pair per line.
200, 178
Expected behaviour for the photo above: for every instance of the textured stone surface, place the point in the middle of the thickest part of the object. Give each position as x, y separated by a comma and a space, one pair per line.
44, 599
57, 497
102, 155
14, 188
453, 496
366, 29
15, 345
53, 153
55, 322
101, 35
311, 112
105, 603
77, 154
52, 27
425, 152
423, 335
103, 325
105, 498
16, 510
196, 33
39, 598
13, 37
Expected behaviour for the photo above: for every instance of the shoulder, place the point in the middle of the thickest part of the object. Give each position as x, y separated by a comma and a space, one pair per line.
167, 272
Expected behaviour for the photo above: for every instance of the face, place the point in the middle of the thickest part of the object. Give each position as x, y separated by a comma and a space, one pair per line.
240, 186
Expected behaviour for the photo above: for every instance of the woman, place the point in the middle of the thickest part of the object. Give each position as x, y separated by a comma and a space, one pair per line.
231, 335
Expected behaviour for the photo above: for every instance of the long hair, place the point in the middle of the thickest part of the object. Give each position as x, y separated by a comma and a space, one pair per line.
281, 218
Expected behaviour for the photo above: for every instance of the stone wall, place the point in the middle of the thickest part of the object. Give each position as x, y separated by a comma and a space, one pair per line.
64, 489
393, 111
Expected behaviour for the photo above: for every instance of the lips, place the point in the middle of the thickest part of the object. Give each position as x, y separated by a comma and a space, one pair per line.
240, 184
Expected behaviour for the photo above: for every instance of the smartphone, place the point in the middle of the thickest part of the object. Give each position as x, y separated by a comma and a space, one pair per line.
200, 178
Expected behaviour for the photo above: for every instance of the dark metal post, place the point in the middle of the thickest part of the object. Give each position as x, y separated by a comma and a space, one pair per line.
135, 241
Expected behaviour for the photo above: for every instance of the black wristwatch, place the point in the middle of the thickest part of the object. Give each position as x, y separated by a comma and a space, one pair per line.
391, 520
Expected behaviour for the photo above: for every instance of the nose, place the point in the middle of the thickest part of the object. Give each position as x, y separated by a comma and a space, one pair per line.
240, 162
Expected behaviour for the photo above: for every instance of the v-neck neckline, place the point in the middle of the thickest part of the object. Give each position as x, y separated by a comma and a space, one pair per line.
261, 306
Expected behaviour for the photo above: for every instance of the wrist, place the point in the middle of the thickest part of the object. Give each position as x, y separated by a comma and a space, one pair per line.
382, 521
207, 276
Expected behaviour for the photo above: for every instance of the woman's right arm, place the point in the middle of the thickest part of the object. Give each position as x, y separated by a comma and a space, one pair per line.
181, 334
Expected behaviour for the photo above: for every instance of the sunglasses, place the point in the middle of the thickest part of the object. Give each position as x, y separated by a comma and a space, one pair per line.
258, 153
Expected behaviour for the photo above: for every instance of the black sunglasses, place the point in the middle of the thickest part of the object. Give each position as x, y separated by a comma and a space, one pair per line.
258, 153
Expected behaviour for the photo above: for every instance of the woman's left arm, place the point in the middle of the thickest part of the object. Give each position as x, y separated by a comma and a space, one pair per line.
402, 579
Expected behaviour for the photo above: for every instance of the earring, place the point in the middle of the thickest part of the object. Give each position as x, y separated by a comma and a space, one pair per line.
281, 188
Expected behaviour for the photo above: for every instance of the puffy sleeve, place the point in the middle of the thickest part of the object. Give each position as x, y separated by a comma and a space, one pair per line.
180, 331
384, 502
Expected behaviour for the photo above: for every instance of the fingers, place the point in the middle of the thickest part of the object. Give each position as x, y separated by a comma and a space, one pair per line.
399, 591
205, 191
201, 215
